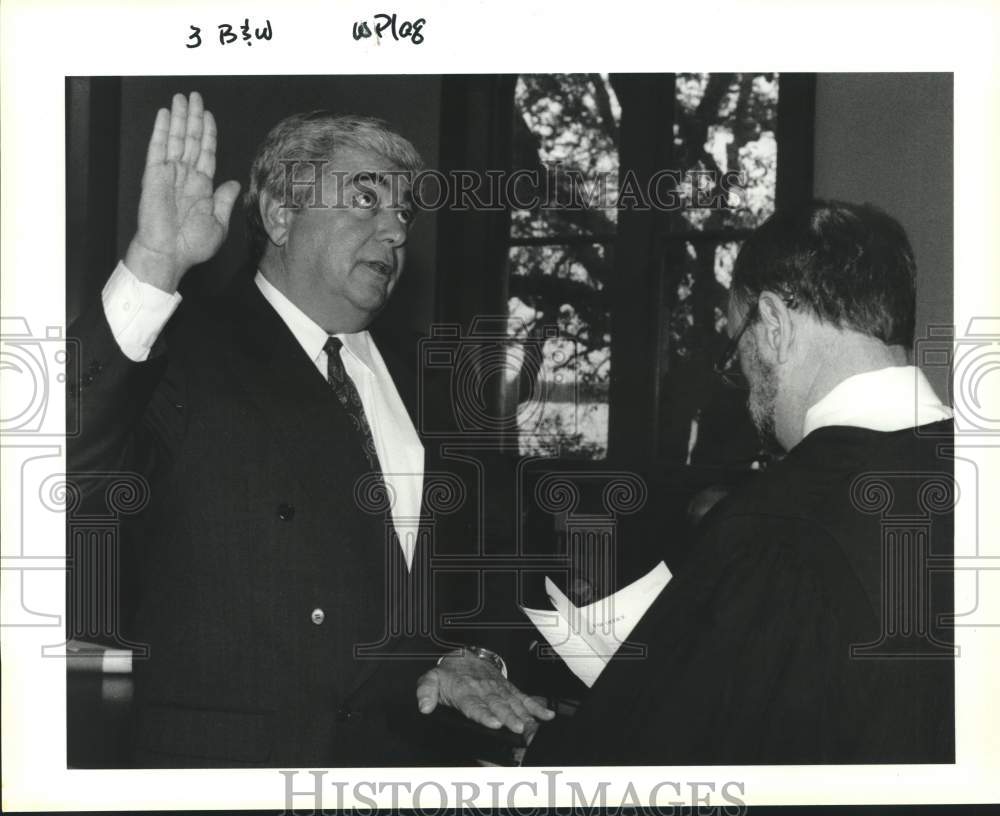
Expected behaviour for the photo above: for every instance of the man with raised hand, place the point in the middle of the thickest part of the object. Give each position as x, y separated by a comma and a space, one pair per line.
285, 473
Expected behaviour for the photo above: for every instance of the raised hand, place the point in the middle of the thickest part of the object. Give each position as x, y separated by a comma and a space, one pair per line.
182, 222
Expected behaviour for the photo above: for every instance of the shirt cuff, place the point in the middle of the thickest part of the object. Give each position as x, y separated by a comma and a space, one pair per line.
136, 312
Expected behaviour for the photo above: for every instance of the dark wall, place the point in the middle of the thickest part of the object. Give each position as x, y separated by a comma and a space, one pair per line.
888, 139
245, 109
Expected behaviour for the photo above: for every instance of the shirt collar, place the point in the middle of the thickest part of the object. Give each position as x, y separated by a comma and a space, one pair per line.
309, 334
889, 399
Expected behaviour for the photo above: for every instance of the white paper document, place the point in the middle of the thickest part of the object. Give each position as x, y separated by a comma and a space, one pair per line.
587, 637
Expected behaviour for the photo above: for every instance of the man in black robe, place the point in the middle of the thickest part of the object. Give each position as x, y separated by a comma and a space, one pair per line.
809, 624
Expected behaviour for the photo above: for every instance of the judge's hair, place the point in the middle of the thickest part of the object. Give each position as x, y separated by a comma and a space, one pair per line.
285, 165
850, 265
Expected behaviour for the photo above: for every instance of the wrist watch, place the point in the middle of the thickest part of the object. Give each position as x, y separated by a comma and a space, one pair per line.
482, 654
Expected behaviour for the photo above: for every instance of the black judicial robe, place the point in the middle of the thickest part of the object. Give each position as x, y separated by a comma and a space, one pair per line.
847, 542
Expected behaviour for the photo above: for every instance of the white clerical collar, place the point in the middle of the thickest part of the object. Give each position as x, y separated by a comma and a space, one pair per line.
889, 399
310, 335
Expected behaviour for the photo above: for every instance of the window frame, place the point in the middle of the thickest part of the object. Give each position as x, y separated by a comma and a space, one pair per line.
476, 134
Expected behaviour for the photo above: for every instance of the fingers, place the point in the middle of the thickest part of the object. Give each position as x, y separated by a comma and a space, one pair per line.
157, 151
530, 731
206, 156
478, 711
478, 690
428, 691
186, 133
496, 710
193, 129
178, 128
537, 708
223, 200
511, 713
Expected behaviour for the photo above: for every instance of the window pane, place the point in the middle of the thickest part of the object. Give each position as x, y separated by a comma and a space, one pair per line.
723, 123
697, 318
702, 421
560, 354
566, 145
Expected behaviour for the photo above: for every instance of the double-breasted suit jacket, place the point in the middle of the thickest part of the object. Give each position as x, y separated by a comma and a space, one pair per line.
260, 568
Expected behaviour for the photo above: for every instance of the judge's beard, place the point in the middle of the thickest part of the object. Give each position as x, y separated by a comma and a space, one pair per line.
763, 396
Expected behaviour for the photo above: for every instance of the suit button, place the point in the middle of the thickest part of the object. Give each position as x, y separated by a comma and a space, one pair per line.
286, 512
317, 616
344, 714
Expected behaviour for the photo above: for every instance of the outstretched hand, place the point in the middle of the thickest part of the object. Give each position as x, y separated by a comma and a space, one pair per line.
478, 690
182, 222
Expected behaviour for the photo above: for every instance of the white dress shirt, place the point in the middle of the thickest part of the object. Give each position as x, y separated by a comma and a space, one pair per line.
889, 399
137, 313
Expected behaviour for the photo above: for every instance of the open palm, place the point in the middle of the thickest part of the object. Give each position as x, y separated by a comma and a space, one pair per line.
182, 222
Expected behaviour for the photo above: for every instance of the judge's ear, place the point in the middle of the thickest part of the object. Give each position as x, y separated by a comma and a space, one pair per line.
776, 329
277, 218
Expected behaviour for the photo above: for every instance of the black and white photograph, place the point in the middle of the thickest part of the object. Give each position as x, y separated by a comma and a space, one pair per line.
426, 428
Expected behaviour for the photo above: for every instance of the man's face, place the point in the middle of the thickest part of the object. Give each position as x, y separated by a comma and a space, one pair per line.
340, 262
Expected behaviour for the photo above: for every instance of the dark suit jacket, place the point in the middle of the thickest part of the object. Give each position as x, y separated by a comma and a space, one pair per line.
259, 575
809, 625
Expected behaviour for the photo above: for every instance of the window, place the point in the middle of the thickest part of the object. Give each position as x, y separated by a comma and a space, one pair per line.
612, 262
561, 257
721, 123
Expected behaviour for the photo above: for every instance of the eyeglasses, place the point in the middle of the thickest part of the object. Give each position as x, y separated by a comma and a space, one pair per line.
726, 366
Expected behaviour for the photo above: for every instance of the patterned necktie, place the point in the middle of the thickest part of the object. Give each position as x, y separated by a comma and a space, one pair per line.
348, 396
